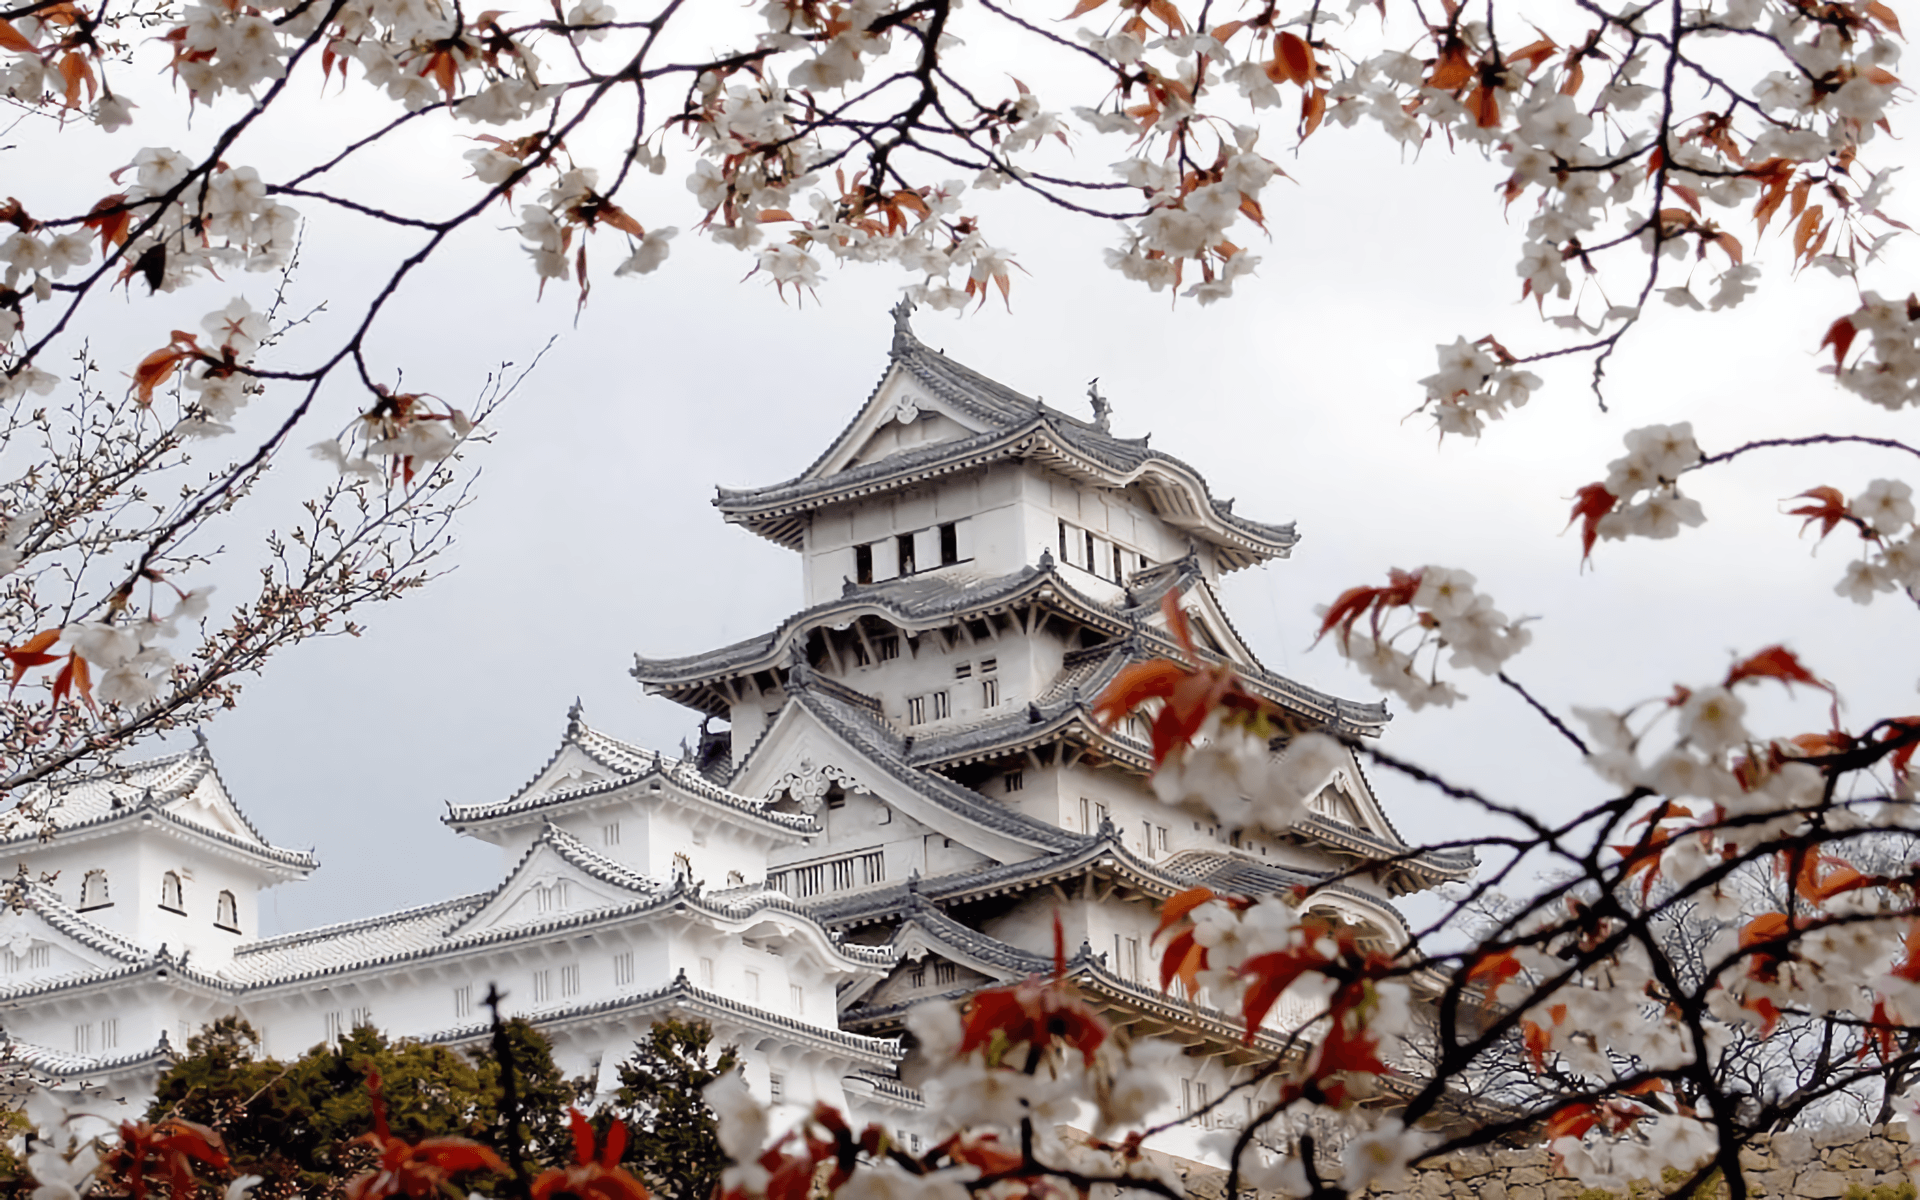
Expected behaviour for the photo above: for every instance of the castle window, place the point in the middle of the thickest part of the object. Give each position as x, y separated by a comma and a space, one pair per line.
1015, 780
570, 980
542, 986
682, 865
963, 670
916, 710
940, 705
949, 543
1087, 562
989, 693
863, 564
904, 545
110, 1033
889, 648
776, 1087
610, 834
1146, 837
1064, 556
753, 987
226, 912
93, 890
860, 658
362, 1018
172, 896
989, 665
463, 1001
83, 1039
917, 977
336, 1027
943, 973
797, 997
623, 968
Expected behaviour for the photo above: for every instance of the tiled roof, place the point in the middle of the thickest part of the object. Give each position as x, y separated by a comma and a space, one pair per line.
62, 1064
140, 790
925, 601
435, 929
1108, 847
882, 1052
629, 765
883, 748
1016, 427
332, 948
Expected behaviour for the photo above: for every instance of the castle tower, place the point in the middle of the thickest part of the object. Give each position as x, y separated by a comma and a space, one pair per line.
977, 566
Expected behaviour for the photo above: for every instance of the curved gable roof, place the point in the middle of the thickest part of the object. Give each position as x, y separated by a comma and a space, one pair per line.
625, 765
1011, 426
920, 603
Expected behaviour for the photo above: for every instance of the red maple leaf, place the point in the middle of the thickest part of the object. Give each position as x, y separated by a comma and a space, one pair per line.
1591, 503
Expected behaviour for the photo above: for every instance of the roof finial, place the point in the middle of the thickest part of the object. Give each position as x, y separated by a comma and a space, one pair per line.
1046, 559
902, 325
199, 737
574, 715
1102, 407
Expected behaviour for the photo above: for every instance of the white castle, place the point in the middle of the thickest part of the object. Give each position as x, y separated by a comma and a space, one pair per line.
909, 787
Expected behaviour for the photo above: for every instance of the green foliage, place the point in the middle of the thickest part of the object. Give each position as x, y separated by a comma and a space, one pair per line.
673, 1145
294, 1123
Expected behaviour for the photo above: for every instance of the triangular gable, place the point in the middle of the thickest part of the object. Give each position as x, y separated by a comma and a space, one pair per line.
798, 741
46, 941
1211, 626
207, 804
901, 414
571, 767
557, 876
1348, 798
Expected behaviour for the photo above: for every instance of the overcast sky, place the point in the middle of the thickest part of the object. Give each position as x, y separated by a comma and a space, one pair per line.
593, 535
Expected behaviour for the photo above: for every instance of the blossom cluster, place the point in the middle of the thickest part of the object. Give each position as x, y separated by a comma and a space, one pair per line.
1232, 773
1883, 516
1443, 612
1640, 496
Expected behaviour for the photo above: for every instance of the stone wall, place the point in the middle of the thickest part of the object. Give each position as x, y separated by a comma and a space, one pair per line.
1833, 1164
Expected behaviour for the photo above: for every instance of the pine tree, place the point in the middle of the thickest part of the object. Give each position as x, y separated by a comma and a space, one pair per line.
673, 1144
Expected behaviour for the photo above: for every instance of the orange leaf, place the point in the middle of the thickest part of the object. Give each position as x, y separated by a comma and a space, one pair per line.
1294, 58
1082, 8
1183, 960
1775, 662
12, 39
1840, 336
1803, 232
1829, 508
1590, 504
1177, 907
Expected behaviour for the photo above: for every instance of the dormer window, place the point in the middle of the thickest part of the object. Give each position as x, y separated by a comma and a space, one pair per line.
93, 890
172, 895
226, 912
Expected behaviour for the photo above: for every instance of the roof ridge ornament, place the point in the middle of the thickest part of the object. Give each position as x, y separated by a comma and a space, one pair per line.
575, 714
1102, 407
903, 339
